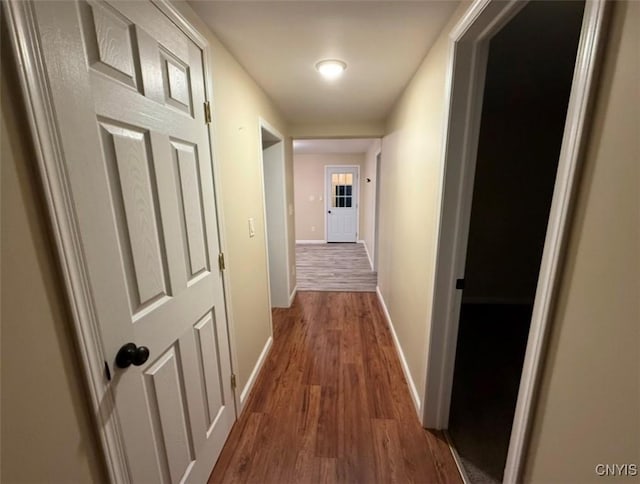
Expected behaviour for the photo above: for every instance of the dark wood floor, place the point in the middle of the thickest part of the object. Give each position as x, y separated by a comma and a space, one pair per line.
331, 404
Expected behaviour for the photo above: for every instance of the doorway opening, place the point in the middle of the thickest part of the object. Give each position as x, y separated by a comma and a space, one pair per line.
527, 87
335, 218
469, 58
275, 216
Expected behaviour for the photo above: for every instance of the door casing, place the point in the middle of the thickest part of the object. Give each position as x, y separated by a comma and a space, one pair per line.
467, 61
283, 273
376, 212
25, 41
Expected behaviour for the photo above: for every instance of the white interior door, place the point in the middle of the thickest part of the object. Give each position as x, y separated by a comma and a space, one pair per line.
342, 204
128, 91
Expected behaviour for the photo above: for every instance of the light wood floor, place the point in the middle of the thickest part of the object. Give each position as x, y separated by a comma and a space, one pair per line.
331, 404
334, 267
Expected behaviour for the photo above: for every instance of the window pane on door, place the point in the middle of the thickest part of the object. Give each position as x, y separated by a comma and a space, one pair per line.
342, 190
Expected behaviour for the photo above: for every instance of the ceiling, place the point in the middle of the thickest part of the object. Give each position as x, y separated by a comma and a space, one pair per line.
331, 146
279, 43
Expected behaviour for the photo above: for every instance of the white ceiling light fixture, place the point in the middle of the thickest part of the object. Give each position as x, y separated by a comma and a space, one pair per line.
331, 69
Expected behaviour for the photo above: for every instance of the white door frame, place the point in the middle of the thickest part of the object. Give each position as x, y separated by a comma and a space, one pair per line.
468, 53
376, 210
56, 187
326, 199
262, 124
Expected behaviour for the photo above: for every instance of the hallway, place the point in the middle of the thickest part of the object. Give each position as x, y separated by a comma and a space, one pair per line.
331, 404
152, 154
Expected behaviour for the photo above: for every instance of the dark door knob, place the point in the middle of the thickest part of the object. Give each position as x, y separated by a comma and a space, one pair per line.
131, 354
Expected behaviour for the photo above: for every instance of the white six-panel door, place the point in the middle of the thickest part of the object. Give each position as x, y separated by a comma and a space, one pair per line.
128, 92
342, 203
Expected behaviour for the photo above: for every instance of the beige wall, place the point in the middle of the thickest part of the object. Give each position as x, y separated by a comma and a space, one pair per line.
238, 103
47, 433
409, 205
588, 410
367, 198
309, 182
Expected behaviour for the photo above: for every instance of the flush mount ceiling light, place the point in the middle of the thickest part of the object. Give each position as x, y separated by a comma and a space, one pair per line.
331, 68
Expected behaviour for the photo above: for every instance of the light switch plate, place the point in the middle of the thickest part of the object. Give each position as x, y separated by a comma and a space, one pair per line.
252, 227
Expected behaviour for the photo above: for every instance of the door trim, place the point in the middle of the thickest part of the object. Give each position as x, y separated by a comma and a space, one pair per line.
467, 61
263, 124
326, 199
376, 211
21, 23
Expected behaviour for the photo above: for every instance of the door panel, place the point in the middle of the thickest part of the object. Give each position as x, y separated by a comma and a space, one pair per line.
164, 381
128, 89
187, 166
207, 346
177, 88
342, 200
110, 43
134, 199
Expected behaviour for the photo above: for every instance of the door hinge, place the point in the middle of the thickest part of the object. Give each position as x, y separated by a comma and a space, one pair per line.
459, 283
233, 381
107, 371
221, 262
207, 112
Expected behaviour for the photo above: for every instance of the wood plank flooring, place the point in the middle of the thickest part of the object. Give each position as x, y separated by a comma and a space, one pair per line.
334, 267
331, 404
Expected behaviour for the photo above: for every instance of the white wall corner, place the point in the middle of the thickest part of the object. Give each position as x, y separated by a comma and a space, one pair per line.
405, 367
254, 374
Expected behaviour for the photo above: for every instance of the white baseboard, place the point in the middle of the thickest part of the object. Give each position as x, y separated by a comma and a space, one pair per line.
311, 241
292, 295
405, 367
366, 249
254, 374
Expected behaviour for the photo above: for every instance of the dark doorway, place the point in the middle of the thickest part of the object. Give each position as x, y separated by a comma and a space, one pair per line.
528, 81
